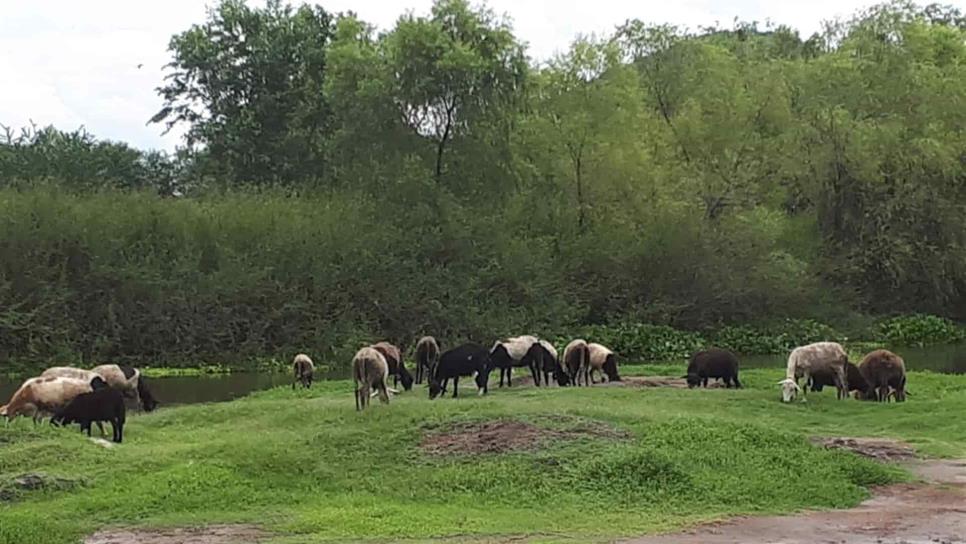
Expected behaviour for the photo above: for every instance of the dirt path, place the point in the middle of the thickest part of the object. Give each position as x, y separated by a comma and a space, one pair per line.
924, 513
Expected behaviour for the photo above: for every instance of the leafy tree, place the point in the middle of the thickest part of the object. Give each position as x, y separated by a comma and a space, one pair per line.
249, 84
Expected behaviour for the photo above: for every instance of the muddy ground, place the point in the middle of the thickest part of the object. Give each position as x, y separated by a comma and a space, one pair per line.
501, 436
212, 534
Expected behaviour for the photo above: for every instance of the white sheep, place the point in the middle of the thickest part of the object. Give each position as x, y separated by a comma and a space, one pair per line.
820, 357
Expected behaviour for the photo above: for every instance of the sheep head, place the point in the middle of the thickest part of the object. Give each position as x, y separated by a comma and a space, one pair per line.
790, 389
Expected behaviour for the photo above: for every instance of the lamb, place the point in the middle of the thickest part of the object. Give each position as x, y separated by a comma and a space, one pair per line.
128, 380
427, 356
814, 358
853, 379
397, 368
603, 360
883, 369
370, 371
576, 356
465, 360
106, 404
46, 395
713, 363
506, 354
304, 370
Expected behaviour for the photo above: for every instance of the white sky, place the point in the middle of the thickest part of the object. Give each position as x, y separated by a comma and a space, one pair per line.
71, 63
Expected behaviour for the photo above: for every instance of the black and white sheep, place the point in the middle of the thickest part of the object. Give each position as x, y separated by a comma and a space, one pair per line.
105, 404
827, 357
304, 370
883, 370
602, 360
466, 360
509, 353
713, 363
370, 372
544, 356
129, 381
427, 356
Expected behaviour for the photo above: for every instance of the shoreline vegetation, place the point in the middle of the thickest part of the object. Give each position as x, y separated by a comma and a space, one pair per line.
638, 343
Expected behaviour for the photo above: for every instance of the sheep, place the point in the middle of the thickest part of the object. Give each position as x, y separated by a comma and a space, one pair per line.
397, 368
883, 369
37, 396
427, 356
543, 355
106, 404
713, 363
818, 357
128, 380
853, 379
304, 370
575, 358
465, 360
506, 354
370, 371
69, 372
600, 359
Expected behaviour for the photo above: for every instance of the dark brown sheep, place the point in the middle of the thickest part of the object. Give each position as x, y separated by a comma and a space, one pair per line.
713, 363
884, 370
427, 357
397, 368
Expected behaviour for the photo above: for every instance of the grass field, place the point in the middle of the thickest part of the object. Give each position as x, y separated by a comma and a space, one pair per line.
305, 466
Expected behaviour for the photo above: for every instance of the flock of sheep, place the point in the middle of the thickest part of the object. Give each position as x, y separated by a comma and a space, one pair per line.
880, 375
74, 395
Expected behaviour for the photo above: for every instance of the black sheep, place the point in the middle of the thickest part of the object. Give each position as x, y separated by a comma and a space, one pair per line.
853, 377
713, 363
465, 360
99, 405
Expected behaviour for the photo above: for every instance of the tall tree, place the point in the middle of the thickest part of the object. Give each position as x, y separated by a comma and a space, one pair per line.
248, 83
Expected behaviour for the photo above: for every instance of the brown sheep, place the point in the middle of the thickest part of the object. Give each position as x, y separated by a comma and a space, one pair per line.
883, 369
370, 371
304, 370
397, 368
576, 356
427, 357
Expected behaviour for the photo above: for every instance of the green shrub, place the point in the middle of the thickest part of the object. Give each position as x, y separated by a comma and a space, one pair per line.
644, 342
778, 337
920, 330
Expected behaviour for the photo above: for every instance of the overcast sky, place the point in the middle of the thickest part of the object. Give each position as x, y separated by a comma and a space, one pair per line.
71, 63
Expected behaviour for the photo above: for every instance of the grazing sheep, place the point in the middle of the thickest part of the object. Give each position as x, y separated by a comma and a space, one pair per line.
465, 360
46, 395
304, 370
397, 368
814, 358
506, 354
370, 371
543, 355
105, 404
427, 356
576, 357
602, 360
883, 369
69, 372
128, 380
853, 379
713, 363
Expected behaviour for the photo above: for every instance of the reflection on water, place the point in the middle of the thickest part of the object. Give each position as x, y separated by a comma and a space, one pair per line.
222, 387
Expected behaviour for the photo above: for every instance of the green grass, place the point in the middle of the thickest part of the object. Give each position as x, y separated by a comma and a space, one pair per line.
306, 466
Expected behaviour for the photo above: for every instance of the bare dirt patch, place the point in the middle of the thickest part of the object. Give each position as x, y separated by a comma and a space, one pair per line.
633, 381
880, 449
501, 436
212, 534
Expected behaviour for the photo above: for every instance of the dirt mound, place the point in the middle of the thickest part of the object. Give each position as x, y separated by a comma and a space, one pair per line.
212, 534
502, 436
880, 449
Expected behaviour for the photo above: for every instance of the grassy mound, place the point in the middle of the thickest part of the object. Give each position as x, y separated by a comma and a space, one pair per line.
610, 461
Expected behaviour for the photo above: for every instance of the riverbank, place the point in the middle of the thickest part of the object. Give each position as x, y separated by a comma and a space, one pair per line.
593, 463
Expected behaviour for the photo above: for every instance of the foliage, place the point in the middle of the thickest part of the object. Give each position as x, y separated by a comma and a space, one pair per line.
690, 456
779, 337
643, 342
921, 330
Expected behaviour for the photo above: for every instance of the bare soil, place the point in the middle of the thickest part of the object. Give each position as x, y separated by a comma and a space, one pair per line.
500, 436
212, 534
933, 512
630, 381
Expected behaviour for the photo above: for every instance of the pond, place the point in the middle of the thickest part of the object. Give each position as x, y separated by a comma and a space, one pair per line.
949, 359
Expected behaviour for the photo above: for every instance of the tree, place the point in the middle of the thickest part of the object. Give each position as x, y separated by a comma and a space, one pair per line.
249, 85
451, 70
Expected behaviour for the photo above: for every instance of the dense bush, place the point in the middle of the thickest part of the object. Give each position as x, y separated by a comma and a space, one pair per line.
643, 342
920, 330
777, 337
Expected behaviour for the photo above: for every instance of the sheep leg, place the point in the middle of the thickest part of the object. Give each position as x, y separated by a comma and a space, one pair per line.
383, 393
535, 372
456, 385
419, 372
884, 393
358, 398
509, 375
804, 391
